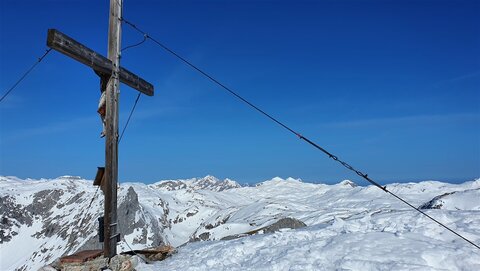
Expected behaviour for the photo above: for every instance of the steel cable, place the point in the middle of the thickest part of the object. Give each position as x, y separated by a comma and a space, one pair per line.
346, 165
25, 74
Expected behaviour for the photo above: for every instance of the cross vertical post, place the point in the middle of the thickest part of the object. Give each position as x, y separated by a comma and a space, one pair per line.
111, 129
108, 69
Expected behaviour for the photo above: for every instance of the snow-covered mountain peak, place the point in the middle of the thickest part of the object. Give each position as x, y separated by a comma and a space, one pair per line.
474, 184
279, 180
69, 177
231, 182
208, 182
290, 179
347, 183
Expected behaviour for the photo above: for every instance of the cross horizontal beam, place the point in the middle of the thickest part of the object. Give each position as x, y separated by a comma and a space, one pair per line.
74, 49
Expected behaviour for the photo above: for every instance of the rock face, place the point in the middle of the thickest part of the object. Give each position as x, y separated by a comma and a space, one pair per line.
13, 216
132, 217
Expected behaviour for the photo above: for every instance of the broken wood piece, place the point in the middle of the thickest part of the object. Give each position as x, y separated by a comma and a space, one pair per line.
154, 254
82, 256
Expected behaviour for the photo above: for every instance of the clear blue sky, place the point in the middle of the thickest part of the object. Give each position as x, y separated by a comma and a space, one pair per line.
392, 87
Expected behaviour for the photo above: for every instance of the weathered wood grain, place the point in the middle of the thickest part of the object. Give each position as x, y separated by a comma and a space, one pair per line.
74, 49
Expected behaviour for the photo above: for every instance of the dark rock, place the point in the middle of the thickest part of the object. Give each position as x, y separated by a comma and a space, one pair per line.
43, 202
284, 223
234, 236
204, 236
192, 214
220, 222
435, 203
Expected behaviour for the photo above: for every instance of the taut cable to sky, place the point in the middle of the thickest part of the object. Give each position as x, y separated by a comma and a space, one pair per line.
318, 147
25, 75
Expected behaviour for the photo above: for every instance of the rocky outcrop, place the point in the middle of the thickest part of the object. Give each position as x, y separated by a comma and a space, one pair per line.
435, 203
456, 200
284, 223
131, 217
13, 215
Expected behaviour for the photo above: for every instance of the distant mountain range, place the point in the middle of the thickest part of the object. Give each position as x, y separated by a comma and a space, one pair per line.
42, 220
206, 183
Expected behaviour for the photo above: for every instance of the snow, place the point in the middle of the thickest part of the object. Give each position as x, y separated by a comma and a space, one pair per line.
324, 247
349, 227
350, 244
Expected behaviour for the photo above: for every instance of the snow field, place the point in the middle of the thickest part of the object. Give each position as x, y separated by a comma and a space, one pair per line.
349, 227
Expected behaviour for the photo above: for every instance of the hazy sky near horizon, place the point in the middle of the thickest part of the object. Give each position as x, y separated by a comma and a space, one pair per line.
392, 87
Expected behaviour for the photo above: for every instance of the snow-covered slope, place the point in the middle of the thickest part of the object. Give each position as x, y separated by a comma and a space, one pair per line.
348, 227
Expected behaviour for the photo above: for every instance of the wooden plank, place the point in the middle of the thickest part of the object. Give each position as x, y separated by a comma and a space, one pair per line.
111, 125
154, 254
74, 49
81, 256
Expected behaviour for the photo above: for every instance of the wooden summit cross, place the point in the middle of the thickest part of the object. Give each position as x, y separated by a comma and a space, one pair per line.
109, 69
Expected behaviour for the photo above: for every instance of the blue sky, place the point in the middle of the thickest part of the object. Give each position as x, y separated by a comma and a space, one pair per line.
392, 87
